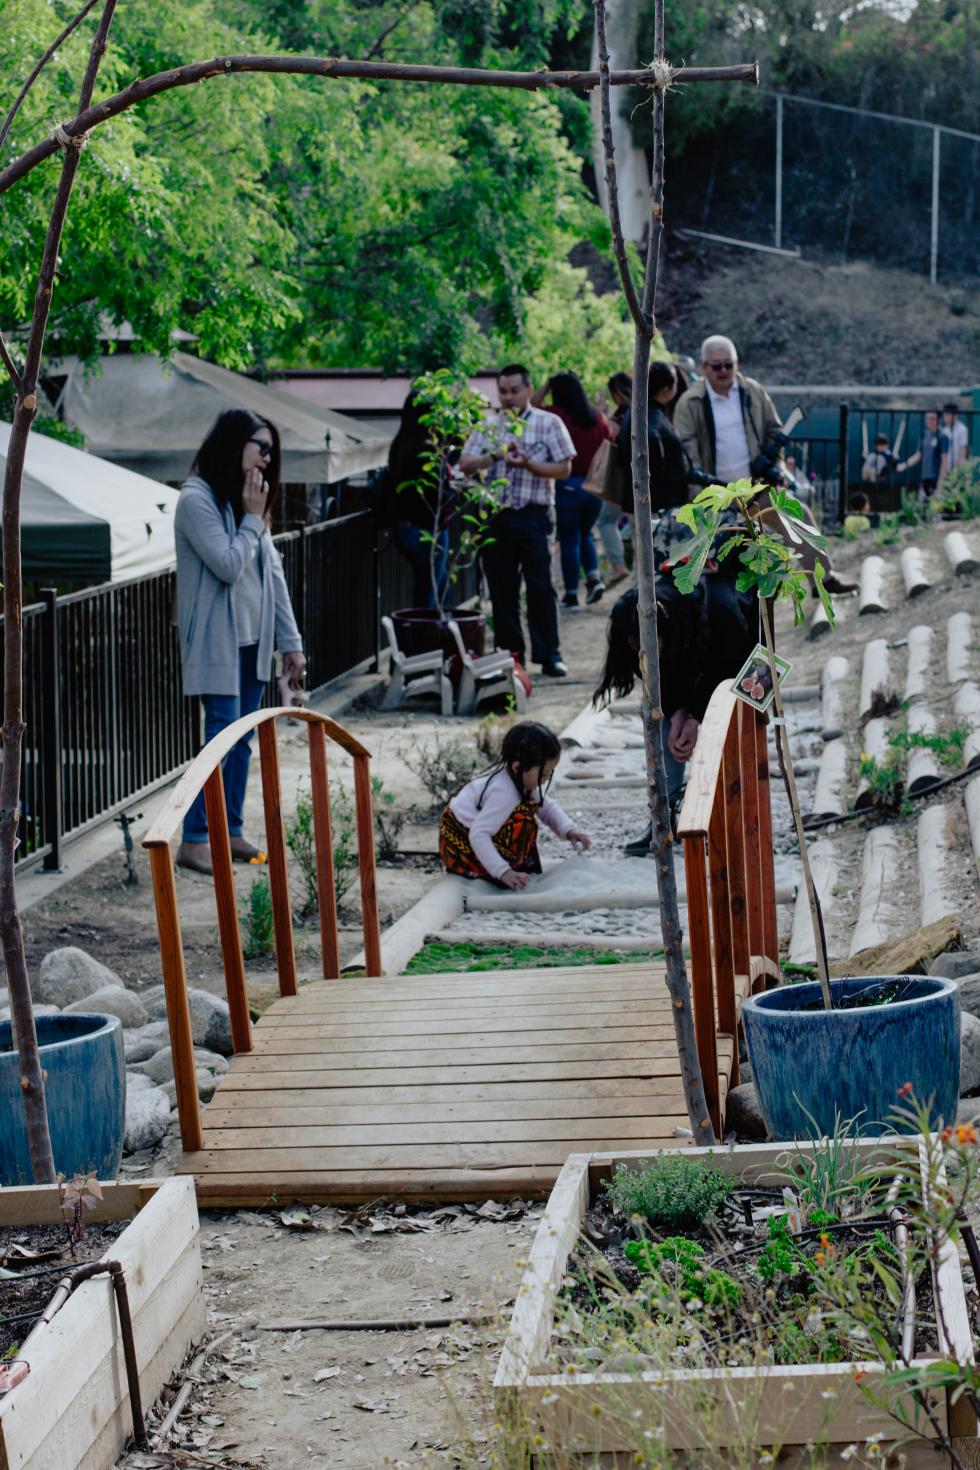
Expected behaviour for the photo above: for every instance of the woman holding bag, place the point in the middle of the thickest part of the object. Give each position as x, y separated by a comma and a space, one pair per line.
576, 511
233, 604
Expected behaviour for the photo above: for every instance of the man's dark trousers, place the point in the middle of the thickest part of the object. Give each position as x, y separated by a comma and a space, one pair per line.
519, 543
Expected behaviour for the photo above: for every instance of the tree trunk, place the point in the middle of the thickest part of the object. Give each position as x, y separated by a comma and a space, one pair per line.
653, 715
25, 409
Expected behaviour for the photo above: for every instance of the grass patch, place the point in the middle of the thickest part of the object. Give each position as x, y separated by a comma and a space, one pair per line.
436, 959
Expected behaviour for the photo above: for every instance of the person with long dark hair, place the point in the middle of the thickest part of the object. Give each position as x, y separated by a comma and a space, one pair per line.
576, 511
414, 509
668, 462
233, 604
703, 638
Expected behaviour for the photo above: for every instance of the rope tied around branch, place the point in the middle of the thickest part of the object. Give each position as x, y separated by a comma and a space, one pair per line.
67, 140
662, 73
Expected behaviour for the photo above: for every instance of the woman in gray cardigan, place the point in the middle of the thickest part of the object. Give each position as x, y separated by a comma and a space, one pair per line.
232, 603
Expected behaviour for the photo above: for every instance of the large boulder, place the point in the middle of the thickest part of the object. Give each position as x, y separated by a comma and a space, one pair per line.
38, 1012
137, 1047
210, 1021
969, 1054
147, 1118
113, 1001
743, 1116
69, 974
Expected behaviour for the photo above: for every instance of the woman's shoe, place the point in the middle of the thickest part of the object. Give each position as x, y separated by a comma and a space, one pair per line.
195, 857
570, 600
618, 574
594, 590
243, 851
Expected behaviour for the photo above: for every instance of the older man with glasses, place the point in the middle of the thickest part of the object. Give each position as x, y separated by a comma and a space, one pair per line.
725, 419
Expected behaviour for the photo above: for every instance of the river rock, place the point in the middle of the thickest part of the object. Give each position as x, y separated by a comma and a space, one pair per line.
138, 1048
210, 1021
160, 1066
147, 1118
970, 993
969, 1054
69, 974
137, 1082
206, 1084
956, 964
38, 1012
155, 1000
112, 1000
743, 1116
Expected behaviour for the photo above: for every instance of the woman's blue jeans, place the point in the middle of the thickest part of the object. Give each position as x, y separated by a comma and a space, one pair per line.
417, 551
576, 512
220, 711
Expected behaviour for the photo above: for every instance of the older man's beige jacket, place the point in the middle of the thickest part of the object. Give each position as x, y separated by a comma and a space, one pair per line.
695, 427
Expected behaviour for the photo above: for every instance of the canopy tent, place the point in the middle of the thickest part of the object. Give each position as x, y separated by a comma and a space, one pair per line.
152, 417
86, 520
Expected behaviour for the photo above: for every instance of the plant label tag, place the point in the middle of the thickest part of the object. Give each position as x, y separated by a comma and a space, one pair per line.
753, 684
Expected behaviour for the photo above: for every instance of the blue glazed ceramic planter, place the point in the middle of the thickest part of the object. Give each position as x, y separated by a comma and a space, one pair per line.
85, 1090
853, 1062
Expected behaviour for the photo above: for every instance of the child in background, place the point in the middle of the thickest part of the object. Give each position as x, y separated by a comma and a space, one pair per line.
490, 827
859, 519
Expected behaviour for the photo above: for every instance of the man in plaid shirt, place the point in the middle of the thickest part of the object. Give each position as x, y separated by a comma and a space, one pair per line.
530, 461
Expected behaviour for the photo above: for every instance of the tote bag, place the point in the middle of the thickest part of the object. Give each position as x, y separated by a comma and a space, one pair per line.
606, 476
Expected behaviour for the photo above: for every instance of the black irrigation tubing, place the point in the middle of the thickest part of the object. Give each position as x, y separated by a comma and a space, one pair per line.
22, 1317
814, 823
42, 1271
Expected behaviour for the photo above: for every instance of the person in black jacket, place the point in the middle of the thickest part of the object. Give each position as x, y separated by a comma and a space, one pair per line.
668, 462
704, 638
413, 508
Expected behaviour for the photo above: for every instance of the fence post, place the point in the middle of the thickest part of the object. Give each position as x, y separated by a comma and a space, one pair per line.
975, 425
778, 231
934, 221
842, 449
50, 733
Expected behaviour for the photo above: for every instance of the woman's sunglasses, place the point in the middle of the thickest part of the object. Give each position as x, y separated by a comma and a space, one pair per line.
263, 446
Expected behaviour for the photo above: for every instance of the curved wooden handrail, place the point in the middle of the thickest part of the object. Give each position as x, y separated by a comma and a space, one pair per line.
192, 781
706, 763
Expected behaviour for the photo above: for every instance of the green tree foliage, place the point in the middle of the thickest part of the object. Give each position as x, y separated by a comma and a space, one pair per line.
292, 219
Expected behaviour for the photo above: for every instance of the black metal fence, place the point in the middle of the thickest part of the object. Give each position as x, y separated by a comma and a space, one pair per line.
107, 720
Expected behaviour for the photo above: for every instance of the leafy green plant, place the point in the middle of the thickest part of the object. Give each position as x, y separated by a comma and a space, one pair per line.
693, 1279
780, 1256
450, 411
672, 1194
959, 493
301, 842
948, 747
883, 780
445, 767
889, 531
258, 920
388, 822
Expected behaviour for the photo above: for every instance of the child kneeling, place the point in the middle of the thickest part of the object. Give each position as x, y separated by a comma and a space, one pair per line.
490, 827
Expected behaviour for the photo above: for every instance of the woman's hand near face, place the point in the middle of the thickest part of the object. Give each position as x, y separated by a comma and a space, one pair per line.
254, 493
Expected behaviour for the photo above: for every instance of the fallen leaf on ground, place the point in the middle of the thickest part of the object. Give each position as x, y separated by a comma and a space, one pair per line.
325, 1373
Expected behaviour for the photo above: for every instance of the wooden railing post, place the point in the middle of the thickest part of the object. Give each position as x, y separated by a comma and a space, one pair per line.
323, 835
702, 989
365, 859
227, 907
735, 847
749, 764
721, 921
175, 988
275, 837
770, 945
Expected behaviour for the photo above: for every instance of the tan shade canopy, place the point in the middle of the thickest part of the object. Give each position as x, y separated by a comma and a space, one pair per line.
152, 416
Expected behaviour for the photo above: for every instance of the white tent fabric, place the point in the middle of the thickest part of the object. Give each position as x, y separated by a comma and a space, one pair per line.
153, 416
85, 519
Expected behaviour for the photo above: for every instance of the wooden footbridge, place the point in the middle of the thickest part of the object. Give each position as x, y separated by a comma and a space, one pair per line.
458, 1086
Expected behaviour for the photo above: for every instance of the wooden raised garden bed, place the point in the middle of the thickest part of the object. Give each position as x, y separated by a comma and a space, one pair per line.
72, 1412
569, 1408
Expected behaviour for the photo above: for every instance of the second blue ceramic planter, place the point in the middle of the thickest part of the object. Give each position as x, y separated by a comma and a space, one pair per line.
852, 1063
